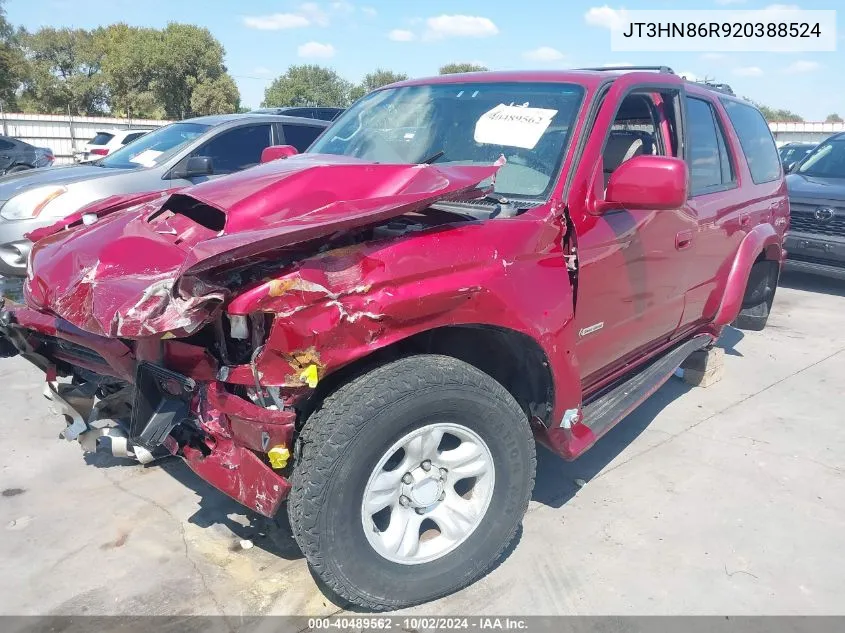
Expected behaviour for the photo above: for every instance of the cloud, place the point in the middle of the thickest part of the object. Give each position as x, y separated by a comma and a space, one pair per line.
261, 71
314, 14
713, 57
276, 21
605, 17
616, 64
801, 66
782, 7
726, 2
543, 54
315, 49
342, 7
401, 35
748, 71
369, 12
444, 26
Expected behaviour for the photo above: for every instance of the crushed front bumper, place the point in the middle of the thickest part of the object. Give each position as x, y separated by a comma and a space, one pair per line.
223, 438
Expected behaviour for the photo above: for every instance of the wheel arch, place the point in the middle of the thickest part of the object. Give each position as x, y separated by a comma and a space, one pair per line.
762, 243
512, 358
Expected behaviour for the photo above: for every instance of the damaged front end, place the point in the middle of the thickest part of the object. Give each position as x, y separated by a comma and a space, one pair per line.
194, 324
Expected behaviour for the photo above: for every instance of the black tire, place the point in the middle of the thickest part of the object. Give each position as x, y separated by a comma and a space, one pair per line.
344, 439
17, 168
758, 297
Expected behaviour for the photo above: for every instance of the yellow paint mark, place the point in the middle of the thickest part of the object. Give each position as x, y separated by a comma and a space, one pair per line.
279, 456
278, 287
310, 376
168, 335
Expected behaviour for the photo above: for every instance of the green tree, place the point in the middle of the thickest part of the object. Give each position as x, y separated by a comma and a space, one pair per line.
308, 85
187, 57
13, 65
129, 70
461, 67
216, 96
776, 114
65, 72
833, 118
376, 79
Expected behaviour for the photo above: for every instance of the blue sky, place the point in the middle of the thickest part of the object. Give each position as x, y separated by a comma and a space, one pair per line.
263, 37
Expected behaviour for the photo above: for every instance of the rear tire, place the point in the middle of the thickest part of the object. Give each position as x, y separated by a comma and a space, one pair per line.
350, 443
17, 168
758, 298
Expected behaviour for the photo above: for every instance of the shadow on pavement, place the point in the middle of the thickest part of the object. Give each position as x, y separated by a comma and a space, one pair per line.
812, 283
555, 484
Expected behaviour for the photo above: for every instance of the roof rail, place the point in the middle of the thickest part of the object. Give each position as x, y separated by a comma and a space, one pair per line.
723, 88
661, 69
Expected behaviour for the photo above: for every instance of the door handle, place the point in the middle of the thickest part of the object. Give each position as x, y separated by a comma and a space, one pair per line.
744, 218
683, 240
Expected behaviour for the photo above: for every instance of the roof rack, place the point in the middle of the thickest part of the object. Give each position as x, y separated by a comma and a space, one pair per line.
661, 69
723, 88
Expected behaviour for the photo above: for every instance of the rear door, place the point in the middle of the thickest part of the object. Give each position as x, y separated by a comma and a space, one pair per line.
717, 203
631, 263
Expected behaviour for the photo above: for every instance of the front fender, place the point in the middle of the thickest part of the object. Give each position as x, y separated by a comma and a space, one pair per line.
761, 240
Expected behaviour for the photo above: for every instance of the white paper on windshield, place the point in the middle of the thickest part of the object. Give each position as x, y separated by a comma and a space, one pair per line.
146, 158
514, 126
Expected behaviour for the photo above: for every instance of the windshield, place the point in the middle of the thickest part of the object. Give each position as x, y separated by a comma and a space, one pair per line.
827, 161
155, 147
465, 124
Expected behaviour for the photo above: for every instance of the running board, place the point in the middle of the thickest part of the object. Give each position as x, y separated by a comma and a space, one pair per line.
601, 413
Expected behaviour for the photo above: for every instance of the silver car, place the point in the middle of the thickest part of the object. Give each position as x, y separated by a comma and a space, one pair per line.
176, 155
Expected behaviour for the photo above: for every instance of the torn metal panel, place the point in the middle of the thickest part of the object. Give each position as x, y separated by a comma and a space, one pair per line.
137, 273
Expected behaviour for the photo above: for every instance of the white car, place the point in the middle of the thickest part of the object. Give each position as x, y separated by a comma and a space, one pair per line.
105, 142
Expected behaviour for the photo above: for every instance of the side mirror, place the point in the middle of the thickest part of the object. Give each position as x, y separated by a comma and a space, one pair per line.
194, 166
647, 182
275, 152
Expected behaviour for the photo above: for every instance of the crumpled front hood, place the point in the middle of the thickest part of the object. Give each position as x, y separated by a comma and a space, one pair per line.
134, 273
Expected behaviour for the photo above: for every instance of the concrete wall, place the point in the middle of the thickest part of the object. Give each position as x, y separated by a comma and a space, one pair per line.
64, 134
806, 131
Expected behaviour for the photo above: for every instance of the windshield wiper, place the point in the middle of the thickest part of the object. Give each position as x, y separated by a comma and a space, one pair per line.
432, 158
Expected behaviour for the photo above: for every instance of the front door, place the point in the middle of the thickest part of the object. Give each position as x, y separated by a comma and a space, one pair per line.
632, 263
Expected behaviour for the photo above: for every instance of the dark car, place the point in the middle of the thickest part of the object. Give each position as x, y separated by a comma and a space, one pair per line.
17, 156
171, 157
816, 239
793, 153
323, 113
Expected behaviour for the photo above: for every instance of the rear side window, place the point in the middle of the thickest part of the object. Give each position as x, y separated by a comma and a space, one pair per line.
710, 163
131, 137
6, 145
300, 136
756, 141
102, 138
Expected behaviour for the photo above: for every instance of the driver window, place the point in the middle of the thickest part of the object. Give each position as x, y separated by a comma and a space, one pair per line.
636, 130
237, 149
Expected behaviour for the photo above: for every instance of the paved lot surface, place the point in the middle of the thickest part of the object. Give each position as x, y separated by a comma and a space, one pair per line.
729, 499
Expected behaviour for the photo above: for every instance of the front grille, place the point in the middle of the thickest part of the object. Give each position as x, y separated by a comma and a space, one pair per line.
803, 220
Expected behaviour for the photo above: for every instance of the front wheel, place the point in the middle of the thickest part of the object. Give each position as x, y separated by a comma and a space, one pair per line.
411, 481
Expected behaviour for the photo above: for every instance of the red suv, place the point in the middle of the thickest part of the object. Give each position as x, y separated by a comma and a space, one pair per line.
379, 330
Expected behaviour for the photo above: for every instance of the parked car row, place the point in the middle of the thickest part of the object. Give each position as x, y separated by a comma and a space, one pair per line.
380, 329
